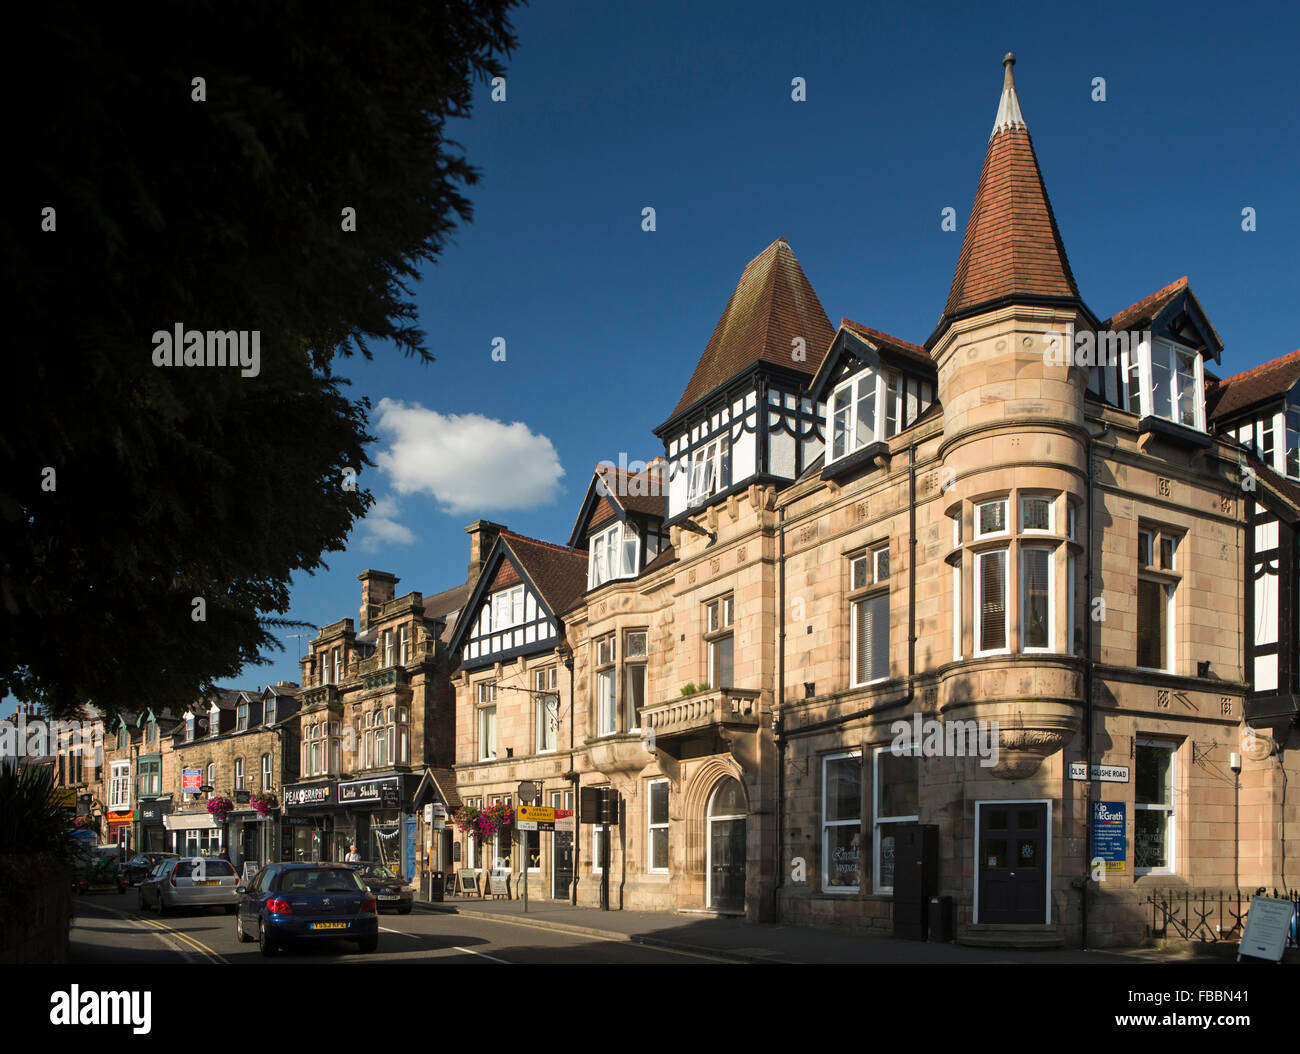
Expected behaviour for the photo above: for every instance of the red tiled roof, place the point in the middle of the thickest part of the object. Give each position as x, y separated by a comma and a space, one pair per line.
560, 574
630, 489
1272, 380
1012, 245
772, 304
904, 347
1146, 309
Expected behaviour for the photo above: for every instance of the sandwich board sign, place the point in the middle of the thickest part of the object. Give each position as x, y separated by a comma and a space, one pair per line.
1267, 924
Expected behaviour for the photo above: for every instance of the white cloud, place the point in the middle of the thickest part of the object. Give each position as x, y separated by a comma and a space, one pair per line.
382, 528
469, 463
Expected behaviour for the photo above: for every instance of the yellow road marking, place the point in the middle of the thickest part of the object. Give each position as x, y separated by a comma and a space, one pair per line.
197, 945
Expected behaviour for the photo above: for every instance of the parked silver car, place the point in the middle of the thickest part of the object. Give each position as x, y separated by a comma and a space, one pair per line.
190, 882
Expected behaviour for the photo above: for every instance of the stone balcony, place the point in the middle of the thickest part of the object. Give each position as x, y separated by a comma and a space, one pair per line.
321, 695
715, 714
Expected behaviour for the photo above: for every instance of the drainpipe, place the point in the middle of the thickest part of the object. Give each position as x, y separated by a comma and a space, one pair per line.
777, 723
1087, 688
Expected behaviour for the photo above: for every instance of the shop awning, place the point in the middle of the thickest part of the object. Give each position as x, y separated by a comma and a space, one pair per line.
195, 821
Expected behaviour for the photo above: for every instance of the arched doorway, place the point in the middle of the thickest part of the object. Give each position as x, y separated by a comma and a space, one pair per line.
726, 846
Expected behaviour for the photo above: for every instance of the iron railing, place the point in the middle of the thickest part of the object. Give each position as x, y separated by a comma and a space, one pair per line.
1210, 916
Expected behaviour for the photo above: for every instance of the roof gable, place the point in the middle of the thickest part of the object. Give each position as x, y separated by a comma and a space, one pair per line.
855, 345
613, 493
771, 306
1272, 380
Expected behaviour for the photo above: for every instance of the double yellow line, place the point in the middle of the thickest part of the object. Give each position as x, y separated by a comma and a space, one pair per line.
194, 943
208, 953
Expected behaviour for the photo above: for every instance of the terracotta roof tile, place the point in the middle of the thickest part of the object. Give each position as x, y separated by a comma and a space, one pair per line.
632, 490
1272, 380
903, 347
558, 572
772, 304
1012, 245
1145, 310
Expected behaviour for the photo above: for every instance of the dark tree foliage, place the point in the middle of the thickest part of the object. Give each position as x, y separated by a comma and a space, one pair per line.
176, 483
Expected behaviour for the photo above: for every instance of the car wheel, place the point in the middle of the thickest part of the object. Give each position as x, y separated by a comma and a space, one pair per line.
239, 929
264, 941
366, 945
404, 911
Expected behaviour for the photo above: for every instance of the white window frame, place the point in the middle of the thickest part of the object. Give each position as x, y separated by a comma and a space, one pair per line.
545, 685
596, 868
704, 469
1171, 593
855, 675
1170, 810
119, 798
1051, 514
388, 647
483, 745
1006, 518
507, 606
608, 555
976, 611
268, 778
1167, 351
827, 824
651, 827
1025, 550
956, 610
607, 701
403, 644
867, 378
877, 820
239, 774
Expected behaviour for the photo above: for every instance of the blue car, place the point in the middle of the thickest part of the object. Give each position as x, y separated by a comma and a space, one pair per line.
287, 902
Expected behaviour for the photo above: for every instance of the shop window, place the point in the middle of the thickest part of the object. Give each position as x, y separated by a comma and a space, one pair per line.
894, 800
841, 822
657, 828
1153, 820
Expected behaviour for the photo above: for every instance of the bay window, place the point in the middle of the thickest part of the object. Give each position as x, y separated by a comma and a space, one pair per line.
991, 614
487, 721
863, 410
1164, 379
635, 655
606, 687
119, 789
613, 554
1036, 600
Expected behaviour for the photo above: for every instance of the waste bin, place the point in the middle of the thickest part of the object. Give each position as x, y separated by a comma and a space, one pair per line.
940, 918
435, 886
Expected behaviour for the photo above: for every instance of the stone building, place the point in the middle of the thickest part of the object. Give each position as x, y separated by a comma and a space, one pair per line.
237, 744
375, 727
1030, 583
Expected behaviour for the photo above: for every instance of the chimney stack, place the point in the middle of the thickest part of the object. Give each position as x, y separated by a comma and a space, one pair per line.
482, 536
377, 589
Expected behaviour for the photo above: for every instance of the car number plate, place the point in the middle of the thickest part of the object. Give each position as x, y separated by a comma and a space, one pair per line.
210, 882
329, 925
389, 896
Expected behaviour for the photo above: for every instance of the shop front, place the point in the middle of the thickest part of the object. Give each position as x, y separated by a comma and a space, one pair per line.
119, 826
194, 834
307, 822
153, 835
379, 817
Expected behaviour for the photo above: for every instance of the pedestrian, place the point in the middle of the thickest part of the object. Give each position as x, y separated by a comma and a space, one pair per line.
353, 856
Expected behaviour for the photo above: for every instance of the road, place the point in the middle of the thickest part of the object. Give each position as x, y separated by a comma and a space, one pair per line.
111, 929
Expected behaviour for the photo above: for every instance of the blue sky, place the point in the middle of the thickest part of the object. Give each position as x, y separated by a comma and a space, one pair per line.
686, 107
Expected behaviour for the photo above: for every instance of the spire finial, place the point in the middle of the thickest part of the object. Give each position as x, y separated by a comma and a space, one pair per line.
1009, 115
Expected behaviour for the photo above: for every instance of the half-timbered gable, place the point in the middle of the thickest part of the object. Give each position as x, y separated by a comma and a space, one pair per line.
621, 522
1261, 410
745, 416
515, 606
872, 386
1271, 551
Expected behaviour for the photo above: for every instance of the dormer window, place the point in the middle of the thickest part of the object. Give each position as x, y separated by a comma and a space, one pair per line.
507, 608
1164, 379
189, 728
613, 554
863, 410
241, 718
1293, 438
269, 711
710, 471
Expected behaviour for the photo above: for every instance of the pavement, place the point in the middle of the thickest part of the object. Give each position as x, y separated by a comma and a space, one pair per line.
740, 941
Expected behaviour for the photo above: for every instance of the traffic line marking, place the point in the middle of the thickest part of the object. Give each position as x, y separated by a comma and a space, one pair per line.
162, 928
481, 955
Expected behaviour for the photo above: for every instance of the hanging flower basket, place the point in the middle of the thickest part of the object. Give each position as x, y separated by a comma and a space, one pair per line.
482, 824
220, 807
263, 802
